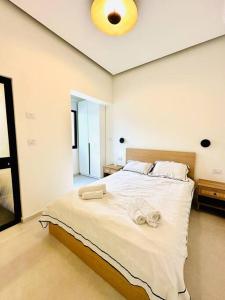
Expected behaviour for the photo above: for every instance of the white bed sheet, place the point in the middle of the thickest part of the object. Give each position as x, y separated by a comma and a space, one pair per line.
149, 257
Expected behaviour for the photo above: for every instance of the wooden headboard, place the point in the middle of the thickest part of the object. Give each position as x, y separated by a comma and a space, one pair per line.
149, 155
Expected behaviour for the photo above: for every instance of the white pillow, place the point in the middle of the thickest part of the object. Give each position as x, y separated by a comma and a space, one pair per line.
138, 167
170, 169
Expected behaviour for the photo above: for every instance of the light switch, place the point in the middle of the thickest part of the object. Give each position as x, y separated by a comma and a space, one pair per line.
30, 115
217, 171
31, 142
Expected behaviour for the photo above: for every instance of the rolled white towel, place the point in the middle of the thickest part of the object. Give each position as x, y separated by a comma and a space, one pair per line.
153, 218
92, 195
138, 217
92, 188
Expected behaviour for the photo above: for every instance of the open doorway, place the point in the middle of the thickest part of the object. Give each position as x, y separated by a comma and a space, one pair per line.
88, 140
10, 210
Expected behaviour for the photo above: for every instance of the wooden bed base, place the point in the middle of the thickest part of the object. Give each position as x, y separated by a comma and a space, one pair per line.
93, 260
99, 265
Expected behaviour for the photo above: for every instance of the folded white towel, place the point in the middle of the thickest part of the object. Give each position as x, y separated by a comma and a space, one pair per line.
153, 218
91, 188
92, 195
138, 217
142, 211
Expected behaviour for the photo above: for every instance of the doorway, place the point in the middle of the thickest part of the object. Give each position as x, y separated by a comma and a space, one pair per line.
88, 140
10, 208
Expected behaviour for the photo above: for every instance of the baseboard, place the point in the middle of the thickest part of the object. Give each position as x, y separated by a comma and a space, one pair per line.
35, 215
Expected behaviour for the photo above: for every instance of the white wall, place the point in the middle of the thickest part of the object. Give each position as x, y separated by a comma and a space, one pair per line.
44, 70
172, 104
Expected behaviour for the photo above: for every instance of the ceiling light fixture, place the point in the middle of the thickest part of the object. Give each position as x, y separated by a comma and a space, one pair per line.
114, 17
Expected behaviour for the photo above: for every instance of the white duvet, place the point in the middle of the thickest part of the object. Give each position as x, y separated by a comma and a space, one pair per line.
149, 257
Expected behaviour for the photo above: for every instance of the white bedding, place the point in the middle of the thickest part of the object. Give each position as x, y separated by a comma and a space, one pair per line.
148, 257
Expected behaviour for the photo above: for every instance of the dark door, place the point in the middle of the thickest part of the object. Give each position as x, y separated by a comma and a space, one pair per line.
10, 209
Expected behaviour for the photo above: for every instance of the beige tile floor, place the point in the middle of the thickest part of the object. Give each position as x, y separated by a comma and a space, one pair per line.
80, 180
33, 265
205, 267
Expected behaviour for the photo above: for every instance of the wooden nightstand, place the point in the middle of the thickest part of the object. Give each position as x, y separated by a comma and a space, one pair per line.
110, 169
211, 194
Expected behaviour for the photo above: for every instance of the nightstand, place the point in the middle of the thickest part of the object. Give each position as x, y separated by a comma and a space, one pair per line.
211, 194
110, 169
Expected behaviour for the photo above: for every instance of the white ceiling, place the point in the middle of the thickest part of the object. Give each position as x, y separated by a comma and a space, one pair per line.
164, 27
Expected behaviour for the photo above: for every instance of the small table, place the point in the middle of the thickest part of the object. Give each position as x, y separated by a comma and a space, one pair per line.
111, 169
211, 194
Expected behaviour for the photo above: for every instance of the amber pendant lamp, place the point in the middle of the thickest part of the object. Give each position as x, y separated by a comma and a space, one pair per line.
114, 17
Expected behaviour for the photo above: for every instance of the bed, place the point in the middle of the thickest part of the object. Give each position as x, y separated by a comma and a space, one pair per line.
139, 261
